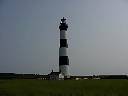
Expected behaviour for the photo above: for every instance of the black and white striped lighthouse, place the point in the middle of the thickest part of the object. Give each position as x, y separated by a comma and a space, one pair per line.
63, 57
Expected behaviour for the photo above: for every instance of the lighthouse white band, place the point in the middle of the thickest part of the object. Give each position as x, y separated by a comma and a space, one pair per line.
63, 34
64, 69
63, 51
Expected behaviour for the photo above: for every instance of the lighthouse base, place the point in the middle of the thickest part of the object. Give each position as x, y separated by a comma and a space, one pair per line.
64, 69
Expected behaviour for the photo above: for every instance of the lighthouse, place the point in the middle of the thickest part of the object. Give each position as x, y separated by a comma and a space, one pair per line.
63, 56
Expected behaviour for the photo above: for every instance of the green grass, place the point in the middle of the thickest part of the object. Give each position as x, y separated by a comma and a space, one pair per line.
64, 88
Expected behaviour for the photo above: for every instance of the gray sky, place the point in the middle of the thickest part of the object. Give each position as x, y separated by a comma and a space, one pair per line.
98, 36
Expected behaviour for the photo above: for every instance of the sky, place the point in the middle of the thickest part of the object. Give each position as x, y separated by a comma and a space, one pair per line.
97, 36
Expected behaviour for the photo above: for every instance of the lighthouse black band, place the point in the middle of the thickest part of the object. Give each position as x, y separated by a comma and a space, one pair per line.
63, 43
63, 60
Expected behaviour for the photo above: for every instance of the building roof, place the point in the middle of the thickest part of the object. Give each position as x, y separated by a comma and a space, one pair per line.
54, 73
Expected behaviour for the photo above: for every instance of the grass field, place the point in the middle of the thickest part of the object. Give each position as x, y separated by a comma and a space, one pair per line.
64, 88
